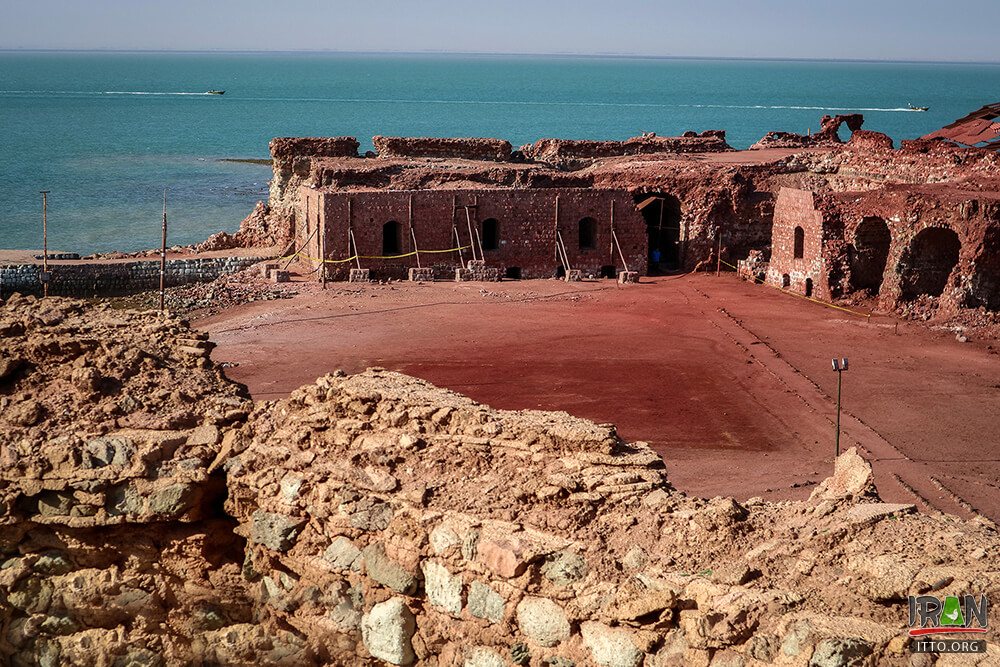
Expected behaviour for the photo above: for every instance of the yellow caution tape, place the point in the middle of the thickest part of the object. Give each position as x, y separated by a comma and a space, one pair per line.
354, 257
803, 296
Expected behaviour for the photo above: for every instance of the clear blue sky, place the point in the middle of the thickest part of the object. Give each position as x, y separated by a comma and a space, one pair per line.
841, 29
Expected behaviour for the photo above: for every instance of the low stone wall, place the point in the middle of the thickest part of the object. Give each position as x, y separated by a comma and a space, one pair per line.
117, 278
566, 153
498, 150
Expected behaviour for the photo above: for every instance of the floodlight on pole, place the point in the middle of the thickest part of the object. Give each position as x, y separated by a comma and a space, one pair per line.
839, 365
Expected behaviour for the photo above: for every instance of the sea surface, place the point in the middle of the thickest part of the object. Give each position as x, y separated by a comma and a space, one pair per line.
106, 133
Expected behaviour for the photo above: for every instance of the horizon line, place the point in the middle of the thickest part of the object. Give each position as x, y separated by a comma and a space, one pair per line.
555, 54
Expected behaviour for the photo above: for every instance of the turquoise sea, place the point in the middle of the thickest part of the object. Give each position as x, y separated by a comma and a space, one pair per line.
107, 132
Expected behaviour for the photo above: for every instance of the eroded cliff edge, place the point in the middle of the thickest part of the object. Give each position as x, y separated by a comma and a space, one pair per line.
151, 514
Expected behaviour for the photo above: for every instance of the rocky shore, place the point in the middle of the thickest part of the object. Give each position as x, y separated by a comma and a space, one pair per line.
152, 514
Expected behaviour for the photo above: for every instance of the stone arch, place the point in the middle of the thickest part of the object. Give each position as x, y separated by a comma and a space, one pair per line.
928, 262
869, 254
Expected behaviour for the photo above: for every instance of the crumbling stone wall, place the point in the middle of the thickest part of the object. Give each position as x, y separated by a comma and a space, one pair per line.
942, 244
375, 519
798, 226
574, 154
498, 150
291, 163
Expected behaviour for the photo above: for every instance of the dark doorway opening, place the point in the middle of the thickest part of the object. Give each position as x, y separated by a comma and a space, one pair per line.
809, 286
786, 281
869, 255
588, 234
513, 273
491, 234
609, 272
800, 243
391, 238
928, 262
662, 214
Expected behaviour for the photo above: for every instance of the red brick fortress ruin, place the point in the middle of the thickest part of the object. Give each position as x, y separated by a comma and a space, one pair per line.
813, 214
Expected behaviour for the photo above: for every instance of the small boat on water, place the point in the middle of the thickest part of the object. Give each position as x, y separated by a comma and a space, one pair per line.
215, 92
913, 108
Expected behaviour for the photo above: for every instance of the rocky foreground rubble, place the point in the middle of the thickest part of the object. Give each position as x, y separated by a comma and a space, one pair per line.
152, 515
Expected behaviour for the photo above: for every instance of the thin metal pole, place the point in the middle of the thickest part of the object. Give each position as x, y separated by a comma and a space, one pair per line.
163, 251
840, 376
45, 242
718, 257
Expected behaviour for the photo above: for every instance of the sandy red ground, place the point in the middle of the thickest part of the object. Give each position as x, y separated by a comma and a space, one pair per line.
729, 381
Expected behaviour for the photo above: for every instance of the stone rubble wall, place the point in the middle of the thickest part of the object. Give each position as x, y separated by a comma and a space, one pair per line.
574, 154
392, 522
117, 278
151, 514
497, 150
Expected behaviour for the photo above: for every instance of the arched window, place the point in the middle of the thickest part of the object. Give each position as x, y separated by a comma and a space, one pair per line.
588, 234
800, 243
391, 242
491, 234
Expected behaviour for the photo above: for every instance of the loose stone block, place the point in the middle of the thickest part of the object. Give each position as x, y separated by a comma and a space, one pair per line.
386, 571
280, 276
444, 589
574, 276
360, 276
610, 647
628, 277
503, 557
542, 621
480, 656
425, 274
485, 603
172, 500
342, 554
387, 632
463, 275
274, 531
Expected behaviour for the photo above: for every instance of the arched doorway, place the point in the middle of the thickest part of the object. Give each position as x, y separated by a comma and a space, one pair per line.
662, 214
928, 262
869, 255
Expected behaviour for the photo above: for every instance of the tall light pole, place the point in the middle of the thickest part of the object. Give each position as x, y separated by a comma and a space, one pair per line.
839, 365
163, 250
45, 243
